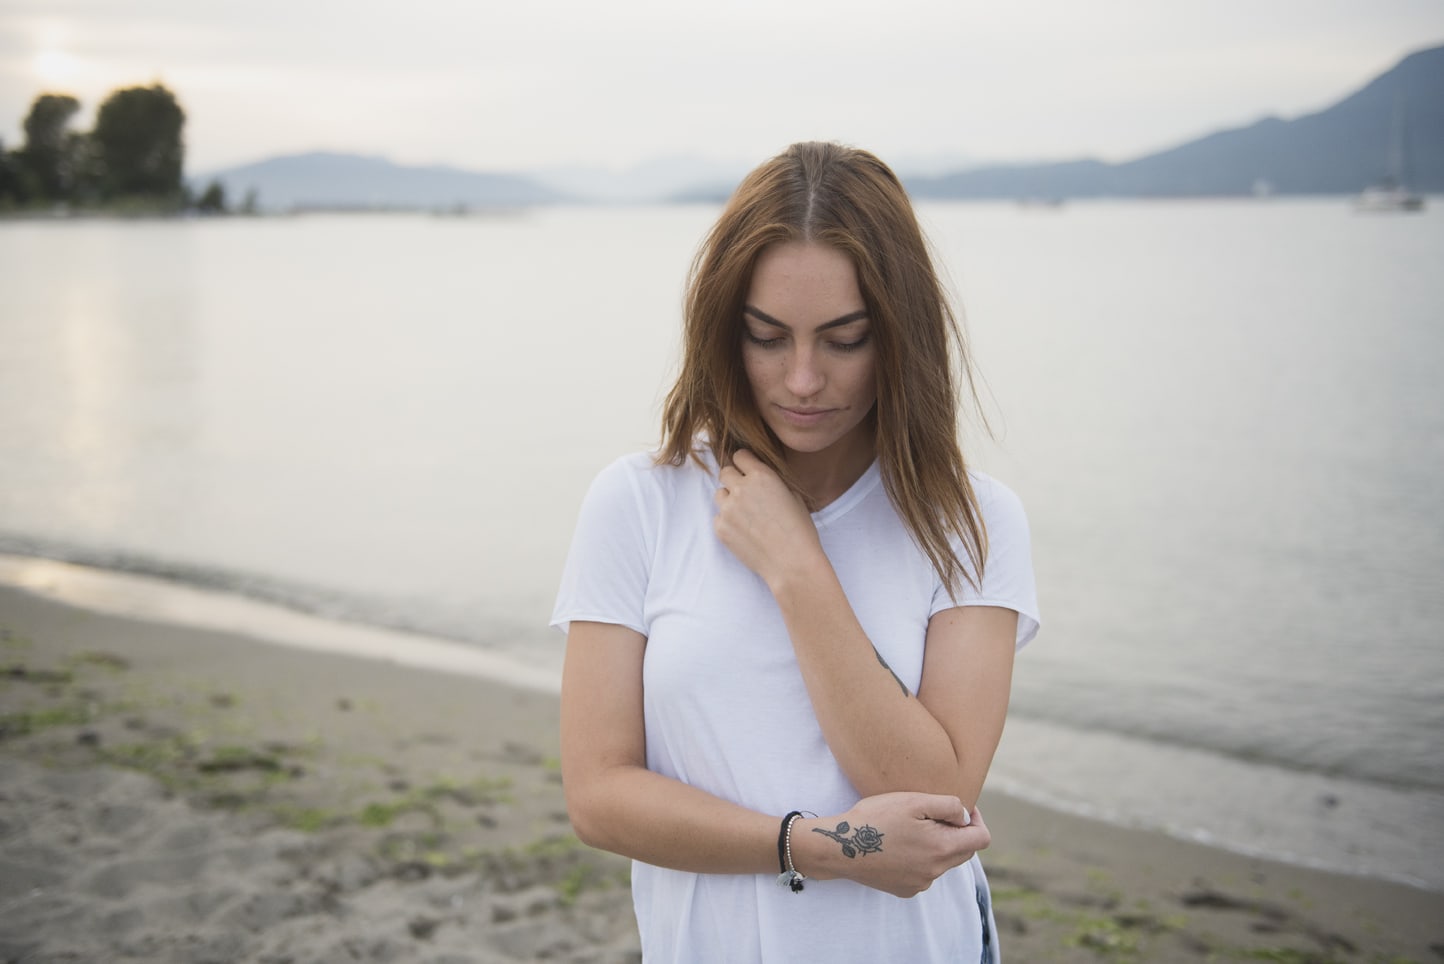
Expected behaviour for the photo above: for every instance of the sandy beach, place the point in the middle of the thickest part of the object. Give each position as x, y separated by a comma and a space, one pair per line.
175, 794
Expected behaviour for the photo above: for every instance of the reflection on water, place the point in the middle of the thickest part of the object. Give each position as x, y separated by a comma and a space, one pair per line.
97, 354
126, 347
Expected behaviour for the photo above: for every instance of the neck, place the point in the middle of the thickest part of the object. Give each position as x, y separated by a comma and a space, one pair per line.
825, 476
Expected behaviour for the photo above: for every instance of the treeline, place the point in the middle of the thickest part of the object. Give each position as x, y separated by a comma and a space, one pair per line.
132, 160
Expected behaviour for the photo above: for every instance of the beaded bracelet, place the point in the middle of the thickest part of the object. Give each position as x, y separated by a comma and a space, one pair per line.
789, 876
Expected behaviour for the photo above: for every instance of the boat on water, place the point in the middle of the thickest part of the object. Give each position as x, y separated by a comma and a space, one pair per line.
1386, 198
1392, 195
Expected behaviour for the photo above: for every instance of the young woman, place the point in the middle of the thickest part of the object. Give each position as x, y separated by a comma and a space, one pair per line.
790, 632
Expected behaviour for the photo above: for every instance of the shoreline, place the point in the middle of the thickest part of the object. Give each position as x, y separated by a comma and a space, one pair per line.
150, 598
1289, 816
391, 801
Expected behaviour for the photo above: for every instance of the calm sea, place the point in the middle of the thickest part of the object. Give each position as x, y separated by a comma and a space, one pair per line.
1225, 419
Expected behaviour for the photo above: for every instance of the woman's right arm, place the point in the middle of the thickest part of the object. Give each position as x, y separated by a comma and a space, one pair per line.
617, 804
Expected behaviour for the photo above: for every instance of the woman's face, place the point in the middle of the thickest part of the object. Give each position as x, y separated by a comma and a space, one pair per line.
808, 351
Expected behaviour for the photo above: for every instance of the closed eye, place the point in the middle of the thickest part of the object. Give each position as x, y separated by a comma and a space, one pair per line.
763, 342
846, 346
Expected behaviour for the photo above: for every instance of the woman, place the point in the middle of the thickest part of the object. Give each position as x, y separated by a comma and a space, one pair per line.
790, 633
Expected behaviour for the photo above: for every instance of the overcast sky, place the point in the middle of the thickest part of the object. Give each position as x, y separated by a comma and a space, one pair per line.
514, 85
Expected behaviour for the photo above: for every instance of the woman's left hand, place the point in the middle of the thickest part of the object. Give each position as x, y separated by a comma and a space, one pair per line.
762, 521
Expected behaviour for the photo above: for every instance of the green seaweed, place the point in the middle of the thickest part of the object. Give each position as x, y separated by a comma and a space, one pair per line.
1105, 936
482, 790
576, 880
99, 659
25, 674
555, 845
150, 756
226, 759
380, 814
32, 721
1283, 955
11, 640
307, 819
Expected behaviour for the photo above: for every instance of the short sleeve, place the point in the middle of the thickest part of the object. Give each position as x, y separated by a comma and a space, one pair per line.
609, 563
1008, 571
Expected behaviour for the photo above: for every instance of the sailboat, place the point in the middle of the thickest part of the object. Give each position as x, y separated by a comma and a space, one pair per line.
1391, 195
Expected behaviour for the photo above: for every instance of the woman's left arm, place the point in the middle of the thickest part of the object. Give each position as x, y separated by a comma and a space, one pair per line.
939, 740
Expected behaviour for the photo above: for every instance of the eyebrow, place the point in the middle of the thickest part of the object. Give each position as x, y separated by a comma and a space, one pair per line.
846, 319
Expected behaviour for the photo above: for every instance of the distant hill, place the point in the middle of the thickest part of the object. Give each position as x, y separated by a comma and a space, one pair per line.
648, 182
717, 189
1340, 150
351, 181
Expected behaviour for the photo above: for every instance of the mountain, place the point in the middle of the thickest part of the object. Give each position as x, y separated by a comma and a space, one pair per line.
324, 180
1339, 150
650, 181
718, 187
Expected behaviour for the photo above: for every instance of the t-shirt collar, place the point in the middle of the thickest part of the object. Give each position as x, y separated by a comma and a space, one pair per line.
855, 493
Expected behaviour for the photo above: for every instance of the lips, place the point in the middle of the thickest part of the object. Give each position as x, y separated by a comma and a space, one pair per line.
804, 417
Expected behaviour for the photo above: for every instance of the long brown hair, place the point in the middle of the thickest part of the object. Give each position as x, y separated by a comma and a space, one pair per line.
847, 199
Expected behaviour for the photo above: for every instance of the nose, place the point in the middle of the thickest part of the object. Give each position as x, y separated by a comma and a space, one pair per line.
804, 375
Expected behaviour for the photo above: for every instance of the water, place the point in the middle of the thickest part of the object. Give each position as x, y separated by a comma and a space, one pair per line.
1226, 421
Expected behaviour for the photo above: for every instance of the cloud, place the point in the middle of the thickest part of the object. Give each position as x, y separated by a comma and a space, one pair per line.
507, 86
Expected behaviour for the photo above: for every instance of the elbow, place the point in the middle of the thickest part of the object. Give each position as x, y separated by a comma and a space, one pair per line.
583, 817
585, 832
591, 820
588, 830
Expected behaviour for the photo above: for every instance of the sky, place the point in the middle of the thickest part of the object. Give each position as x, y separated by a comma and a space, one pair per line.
519, 85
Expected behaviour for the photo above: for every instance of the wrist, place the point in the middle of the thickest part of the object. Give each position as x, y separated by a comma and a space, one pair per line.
797, 571
788, 874
810, 855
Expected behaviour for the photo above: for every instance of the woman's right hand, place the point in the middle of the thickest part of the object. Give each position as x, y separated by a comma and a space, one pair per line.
898, 843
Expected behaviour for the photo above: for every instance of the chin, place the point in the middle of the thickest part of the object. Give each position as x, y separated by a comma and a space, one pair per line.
806, 446
809, 443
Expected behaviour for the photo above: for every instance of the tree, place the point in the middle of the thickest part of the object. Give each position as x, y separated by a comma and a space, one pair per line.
138, 143
213, 201
48, 154
83, 166
12, 191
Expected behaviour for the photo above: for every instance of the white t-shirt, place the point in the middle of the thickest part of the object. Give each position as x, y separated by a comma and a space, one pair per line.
726, 709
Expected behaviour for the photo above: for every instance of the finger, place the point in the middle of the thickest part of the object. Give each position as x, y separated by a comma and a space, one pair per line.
750, 464
977, 836
945, 809
729, 476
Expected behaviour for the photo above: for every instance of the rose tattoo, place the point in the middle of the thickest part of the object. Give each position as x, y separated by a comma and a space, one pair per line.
864, 840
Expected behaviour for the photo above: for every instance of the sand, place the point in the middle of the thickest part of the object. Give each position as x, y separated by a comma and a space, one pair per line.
174, 794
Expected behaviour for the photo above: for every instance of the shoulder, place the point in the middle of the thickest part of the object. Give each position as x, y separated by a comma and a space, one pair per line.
643, 468
629, 470
1008, 579
639, 478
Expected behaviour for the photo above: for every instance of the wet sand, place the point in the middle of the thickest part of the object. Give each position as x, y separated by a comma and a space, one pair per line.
174, 794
